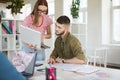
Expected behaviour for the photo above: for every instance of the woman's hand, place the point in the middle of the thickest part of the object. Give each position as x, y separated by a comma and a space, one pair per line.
30, 45
42, 37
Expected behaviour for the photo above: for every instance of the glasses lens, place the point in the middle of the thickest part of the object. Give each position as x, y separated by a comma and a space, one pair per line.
42, 11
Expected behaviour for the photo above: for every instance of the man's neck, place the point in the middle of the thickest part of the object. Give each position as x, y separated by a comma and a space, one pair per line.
62, 36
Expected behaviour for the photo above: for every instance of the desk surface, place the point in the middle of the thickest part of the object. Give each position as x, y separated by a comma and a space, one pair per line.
102, 74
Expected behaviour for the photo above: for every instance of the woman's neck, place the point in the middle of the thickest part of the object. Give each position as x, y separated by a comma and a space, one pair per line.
37, 20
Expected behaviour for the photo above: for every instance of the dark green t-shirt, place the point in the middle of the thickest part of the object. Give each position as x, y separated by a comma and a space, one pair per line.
67, 48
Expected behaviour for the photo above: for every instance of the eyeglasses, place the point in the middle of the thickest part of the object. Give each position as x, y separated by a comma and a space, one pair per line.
42, 11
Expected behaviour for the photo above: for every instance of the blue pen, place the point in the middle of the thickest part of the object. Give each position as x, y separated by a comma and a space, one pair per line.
40, 69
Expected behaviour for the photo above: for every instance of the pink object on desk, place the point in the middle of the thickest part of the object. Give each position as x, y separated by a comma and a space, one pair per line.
102, 74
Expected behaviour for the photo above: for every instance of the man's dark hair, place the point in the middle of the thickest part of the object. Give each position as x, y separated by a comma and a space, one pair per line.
63, 20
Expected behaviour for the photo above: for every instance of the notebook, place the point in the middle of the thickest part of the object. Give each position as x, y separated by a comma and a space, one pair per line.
29, 70
30, 36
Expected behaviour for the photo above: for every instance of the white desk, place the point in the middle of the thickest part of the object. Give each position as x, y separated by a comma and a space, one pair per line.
102, 74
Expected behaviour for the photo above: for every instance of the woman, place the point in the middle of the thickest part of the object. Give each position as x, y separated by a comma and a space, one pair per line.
40, 21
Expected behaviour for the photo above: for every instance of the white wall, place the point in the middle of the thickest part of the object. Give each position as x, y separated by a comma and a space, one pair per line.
5, 10
2, 6
94, 23
98, 18
32, 3
106, 4
58, 8
114, 54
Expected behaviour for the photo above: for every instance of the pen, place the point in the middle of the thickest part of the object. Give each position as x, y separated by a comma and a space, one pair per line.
40, 69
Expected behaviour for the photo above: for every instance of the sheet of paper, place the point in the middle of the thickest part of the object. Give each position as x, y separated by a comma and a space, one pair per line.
87, 78
85, 69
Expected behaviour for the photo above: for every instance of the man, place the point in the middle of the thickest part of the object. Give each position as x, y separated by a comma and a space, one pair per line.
8, 71
67, 47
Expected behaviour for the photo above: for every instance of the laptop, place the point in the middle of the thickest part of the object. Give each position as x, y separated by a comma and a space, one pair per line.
30, 36
29, 70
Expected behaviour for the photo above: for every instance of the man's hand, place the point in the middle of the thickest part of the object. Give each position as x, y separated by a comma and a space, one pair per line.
59, 60
51, 61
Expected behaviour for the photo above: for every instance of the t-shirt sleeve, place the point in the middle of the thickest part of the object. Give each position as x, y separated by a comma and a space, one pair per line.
27, 21
77, 49
49, 20
8, 71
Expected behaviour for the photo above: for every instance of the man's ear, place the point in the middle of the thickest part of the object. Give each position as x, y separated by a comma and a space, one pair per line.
66, 27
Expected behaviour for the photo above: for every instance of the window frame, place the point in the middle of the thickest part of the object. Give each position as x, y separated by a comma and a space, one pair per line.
112, 23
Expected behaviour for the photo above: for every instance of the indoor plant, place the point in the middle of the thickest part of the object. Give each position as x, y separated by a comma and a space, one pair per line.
75, 8
15, 6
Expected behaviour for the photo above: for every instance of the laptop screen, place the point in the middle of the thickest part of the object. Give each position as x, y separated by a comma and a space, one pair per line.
24, 62
30, 68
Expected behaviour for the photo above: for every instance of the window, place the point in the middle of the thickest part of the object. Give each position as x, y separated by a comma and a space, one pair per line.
115, 21
51, 13
83, 10
51, 7
66, 8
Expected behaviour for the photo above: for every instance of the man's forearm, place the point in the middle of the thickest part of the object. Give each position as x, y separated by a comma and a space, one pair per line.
74, 61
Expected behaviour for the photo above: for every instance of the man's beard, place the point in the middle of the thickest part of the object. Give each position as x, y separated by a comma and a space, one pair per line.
60, 33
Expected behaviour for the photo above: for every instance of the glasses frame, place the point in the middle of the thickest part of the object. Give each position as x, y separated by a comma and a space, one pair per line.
42, 11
